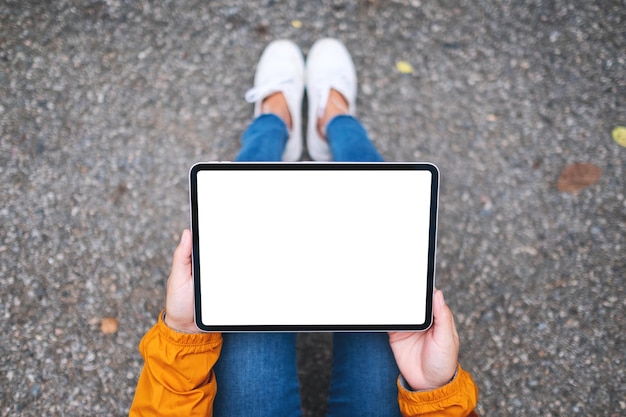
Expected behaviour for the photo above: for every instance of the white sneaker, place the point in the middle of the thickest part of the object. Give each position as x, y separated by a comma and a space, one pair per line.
281, 69
329, 66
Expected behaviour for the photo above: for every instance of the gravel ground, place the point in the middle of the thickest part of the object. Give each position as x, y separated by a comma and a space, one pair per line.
104, 105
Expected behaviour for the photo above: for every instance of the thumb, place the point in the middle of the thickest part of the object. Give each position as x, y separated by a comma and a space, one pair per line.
181, 261
443, 321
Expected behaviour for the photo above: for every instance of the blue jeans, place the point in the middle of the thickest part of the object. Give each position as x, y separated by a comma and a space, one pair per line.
265, 140
257, 372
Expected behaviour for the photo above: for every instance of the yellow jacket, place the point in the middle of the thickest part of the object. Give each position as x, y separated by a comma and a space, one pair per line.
178, 380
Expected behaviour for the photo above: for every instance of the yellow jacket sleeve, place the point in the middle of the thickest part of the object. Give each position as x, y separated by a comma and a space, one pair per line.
458, 398
177, 378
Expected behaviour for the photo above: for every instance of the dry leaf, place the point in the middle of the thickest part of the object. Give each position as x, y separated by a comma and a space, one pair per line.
297, 24
578, 176
108, 325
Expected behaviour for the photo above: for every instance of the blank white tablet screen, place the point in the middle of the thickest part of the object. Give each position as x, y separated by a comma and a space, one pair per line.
313, 247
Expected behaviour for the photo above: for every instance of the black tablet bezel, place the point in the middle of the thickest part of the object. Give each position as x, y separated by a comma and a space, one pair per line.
432, 241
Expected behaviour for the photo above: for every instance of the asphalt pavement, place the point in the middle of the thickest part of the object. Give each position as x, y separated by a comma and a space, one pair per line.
104, 106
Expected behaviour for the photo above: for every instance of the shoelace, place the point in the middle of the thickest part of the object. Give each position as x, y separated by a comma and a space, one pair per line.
337, 82
260, 92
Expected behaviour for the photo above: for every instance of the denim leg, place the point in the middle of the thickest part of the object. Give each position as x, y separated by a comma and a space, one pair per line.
257, 372
348, 141
364, 375
264, 139
257, 376
363, 381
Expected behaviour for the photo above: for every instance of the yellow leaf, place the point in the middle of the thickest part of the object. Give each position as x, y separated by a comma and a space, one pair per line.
619, 135
404, 67
296, 24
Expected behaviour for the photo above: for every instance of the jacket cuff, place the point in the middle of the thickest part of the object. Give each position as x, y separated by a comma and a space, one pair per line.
459, 394
210, 340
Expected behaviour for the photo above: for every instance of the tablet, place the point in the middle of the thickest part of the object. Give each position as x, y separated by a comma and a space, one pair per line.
313, 246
